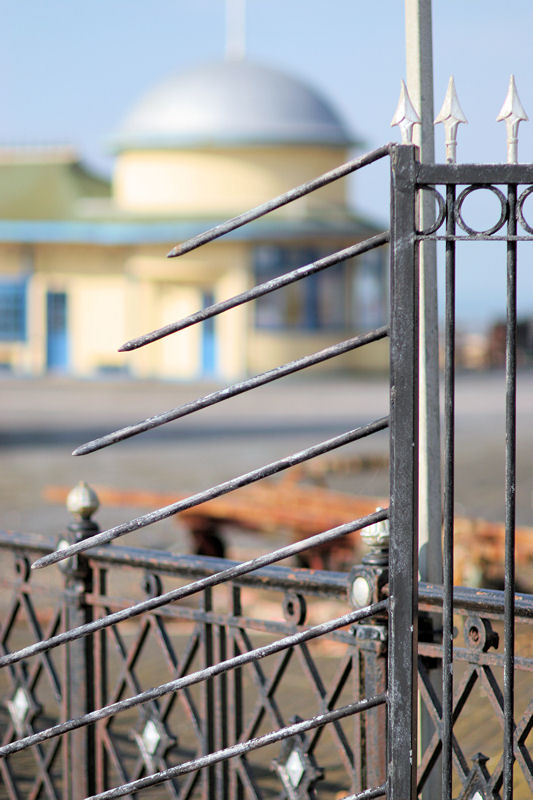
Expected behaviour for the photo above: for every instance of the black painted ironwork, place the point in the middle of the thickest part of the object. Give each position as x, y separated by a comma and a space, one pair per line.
235, 678
149, 669
497, 673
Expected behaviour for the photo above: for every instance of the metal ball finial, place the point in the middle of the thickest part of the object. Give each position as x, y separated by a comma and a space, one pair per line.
377, 535
82, 501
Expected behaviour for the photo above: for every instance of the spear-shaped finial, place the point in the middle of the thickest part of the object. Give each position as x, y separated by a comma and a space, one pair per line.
513, 113
451, 114
405, 116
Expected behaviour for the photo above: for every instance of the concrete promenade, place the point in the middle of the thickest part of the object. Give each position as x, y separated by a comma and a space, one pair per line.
42, 420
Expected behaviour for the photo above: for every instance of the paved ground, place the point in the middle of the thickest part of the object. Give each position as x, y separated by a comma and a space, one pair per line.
44, 419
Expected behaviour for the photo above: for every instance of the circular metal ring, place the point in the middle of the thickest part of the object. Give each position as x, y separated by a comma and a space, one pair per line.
479, 634
520, 208
462, 197
152, 584
441, 215
22, 567
294, 608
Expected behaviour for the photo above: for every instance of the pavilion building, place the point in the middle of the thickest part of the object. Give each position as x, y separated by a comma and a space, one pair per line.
83, 264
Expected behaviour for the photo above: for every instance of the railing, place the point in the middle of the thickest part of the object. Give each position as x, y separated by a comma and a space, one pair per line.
92, 619
210, 729
510, 226
478, 706
228, 675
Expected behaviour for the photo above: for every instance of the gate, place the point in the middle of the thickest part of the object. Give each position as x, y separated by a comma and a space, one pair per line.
229, 722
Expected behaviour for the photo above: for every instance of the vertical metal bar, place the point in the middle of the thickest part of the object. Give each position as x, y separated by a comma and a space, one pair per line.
79, 684
65, 755
358, 722
236, 789
221, 713
403, 627
449, 456
101, 689
375, 667
208, 722
510, 490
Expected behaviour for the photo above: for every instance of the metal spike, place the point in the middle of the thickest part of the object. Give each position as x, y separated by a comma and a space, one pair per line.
451, 115
512, 112
405, 116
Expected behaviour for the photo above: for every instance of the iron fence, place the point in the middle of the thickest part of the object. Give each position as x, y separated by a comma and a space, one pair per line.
219, 742
510, 185
112, 734
234, 675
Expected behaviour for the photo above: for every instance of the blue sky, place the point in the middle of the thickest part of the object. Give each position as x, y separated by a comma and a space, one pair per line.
70, 70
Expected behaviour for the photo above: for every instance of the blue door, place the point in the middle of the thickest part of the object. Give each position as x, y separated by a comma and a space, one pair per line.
209, 355
56, 331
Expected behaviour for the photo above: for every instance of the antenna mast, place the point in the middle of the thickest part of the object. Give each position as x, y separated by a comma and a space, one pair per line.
235, 30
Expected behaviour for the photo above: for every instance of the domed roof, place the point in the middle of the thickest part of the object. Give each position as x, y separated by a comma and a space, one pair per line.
231, 103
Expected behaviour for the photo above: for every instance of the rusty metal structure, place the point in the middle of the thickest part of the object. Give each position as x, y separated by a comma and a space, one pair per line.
319, 697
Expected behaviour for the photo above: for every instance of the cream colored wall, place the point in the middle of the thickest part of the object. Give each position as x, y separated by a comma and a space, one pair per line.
151, 305
162, 291
232, 326
96, 322
91, 277
268, 349
115, 294
223, 182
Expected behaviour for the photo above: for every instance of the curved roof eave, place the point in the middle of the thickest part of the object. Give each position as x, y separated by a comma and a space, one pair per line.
169, 232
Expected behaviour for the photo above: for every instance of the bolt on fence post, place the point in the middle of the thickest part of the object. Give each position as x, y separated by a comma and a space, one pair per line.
78, 674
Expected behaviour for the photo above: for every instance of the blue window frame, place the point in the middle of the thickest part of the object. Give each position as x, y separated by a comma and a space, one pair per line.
13, 301
315, 303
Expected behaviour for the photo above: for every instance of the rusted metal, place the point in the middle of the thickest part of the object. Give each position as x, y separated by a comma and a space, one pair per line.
210, 671
403, 514
324, 585
298, 509
480, 775
230, 573
240, 749
216, 491
79, 678
214, 649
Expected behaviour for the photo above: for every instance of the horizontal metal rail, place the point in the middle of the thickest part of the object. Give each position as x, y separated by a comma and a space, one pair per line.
231, 391
223, 576
259, 290
476, 237
482, 174
242, 748
490, 602
196, 677
318, 583
280, 200
216, 491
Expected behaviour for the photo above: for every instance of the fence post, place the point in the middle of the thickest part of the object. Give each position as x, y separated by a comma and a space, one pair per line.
403, 515
78, 693
368, 585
